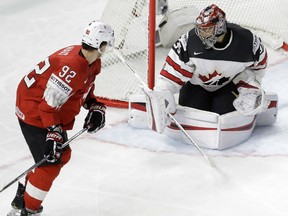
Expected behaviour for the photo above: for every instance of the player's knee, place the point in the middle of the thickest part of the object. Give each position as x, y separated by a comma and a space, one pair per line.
66, 156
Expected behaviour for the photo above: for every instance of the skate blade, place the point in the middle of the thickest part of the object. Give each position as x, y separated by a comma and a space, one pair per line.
17, 212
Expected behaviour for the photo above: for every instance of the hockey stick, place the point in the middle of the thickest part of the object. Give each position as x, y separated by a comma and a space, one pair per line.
43, 160
191, 140
147, 91
135, 13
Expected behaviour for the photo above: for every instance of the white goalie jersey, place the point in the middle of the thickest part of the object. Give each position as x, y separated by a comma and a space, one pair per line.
242, 61
188, 60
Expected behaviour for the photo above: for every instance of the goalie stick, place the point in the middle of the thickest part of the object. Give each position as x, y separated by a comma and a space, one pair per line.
42, 161
148, 91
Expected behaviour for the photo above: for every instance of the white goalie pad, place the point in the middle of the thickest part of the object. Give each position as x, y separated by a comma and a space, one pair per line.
150, 111
137, 111
158, 104
209, 130
156, 112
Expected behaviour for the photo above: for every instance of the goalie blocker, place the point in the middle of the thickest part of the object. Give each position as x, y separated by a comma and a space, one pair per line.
210, 130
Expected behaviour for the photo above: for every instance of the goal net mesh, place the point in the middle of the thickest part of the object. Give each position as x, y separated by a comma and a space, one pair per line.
130, 20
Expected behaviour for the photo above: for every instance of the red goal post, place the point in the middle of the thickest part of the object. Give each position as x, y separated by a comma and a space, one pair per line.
134, 22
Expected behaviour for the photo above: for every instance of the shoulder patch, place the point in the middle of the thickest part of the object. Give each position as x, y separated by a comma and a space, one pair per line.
59, 84
57, 91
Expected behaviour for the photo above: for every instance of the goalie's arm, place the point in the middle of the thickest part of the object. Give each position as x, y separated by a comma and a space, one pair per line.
260, 57
252, 98
178, 69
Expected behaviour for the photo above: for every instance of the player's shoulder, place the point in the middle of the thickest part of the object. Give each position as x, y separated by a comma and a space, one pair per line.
67, 55
240, 32
194, 43
192, 36
188, 37
67, 52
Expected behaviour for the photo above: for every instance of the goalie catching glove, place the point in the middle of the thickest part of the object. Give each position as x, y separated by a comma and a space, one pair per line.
251, 99
95, 119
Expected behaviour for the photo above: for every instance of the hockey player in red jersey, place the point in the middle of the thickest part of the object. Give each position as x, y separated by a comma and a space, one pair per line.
48, 99
216, 66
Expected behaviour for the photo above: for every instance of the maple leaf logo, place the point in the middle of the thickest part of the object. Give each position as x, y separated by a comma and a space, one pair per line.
210, 76
213, 79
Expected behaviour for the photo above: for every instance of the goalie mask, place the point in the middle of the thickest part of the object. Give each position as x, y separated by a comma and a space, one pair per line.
210, 24
96, 33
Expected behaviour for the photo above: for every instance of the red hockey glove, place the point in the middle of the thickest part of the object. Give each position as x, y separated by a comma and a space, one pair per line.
95, 119
54, 141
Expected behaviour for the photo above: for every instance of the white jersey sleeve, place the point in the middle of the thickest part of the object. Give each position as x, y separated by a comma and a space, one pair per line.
259, 54
260, 59
178, 68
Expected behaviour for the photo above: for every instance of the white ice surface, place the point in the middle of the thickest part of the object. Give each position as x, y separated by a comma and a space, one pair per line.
121, 171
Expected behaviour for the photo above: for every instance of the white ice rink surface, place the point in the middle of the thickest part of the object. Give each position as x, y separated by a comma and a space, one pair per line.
121, 171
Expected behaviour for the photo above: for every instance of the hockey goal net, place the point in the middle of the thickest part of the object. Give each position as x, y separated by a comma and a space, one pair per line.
134, 25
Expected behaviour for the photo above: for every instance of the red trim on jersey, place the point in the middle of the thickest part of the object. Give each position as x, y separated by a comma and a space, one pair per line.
171, 77
263, 62
245, 85
178, 68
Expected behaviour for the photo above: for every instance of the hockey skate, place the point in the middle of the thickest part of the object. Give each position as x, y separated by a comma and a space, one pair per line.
18, 201
18, 206
25, 212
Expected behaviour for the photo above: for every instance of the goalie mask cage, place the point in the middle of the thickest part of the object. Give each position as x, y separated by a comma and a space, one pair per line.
134, 22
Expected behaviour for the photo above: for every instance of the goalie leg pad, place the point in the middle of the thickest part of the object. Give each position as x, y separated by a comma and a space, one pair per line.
156, 112
137, 111
150, 110
159, 103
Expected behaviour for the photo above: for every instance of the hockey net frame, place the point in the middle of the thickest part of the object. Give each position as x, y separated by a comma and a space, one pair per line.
138, 16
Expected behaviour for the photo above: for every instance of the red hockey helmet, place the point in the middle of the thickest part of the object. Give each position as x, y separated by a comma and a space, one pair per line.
210, 24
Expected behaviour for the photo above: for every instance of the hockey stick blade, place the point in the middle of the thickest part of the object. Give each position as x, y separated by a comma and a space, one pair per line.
209, 160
